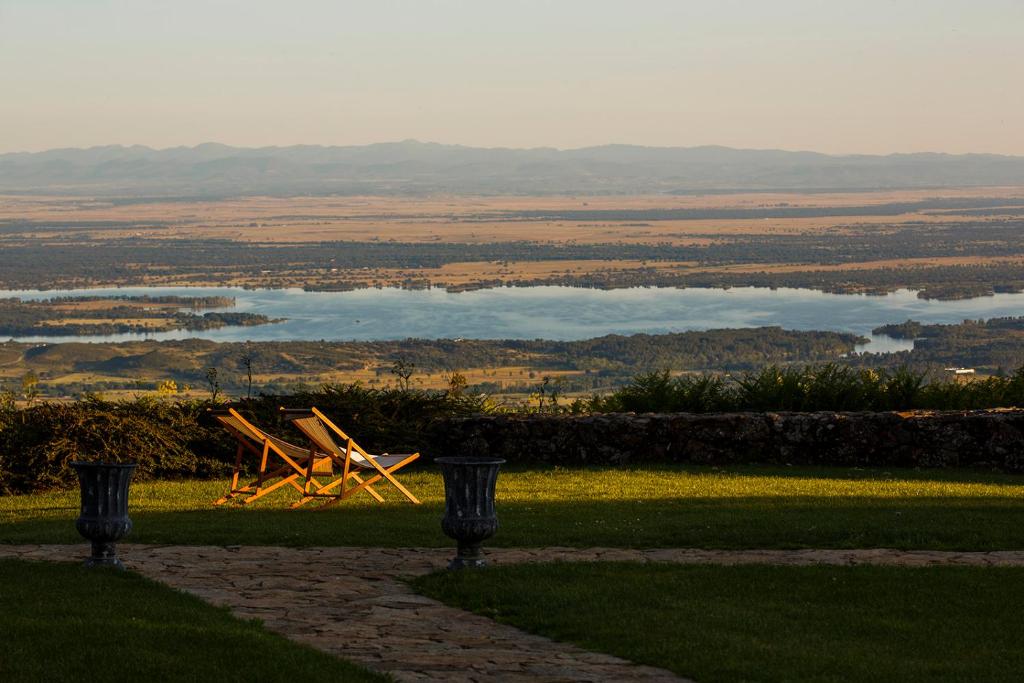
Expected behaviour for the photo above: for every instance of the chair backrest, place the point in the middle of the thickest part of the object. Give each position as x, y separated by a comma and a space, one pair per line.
314, 425
238, 425
242, 428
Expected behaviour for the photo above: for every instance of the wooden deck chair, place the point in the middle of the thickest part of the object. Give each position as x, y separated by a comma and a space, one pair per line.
279, 460
352, 459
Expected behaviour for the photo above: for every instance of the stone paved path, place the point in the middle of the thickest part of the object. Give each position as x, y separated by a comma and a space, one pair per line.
353, 602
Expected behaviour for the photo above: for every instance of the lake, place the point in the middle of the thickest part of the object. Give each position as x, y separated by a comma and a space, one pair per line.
563, 313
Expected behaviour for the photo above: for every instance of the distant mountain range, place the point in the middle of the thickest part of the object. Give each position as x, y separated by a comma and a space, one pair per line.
412, 167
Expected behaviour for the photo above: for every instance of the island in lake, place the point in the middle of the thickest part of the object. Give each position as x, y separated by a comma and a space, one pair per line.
100, 315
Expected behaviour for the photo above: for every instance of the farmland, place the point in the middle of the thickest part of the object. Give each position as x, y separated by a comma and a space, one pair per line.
509, 367
948, 243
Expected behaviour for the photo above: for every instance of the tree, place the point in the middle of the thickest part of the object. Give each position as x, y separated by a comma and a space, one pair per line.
403, 369
457, 383
30, 387
213, 382
168, 387
246, 360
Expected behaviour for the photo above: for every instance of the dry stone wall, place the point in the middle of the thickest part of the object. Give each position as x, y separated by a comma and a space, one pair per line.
925, 439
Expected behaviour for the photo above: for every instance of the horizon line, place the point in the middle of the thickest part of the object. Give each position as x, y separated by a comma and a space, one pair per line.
414, 141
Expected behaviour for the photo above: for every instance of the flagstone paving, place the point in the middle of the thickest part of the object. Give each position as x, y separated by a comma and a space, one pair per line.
354, 602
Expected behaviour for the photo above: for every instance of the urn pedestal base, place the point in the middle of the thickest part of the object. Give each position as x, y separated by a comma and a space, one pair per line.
469, 515
468, 557
104, 519
104, 555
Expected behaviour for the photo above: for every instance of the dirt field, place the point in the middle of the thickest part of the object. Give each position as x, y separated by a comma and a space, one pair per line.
273, 221
468, 219
512, 382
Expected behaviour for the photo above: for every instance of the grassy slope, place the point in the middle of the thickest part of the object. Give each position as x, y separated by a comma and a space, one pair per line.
63, 622
652, 507
765, 623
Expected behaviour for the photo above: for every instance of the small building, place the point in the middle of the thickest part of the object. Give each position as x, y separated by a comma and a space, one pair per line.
961, 371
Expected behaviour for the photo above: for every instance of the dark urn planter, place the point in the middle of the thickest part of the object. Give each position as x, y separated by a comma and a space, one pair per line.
469, 515
104, 519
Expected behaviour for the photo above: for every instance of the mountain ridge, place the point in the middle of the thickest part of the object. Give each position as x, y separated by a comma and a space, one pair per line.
414, 167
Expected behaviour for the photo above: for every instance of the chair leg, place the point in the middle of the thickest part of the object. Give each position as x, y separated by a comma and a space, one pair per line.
366, 484
387, 474
225, 498
406, 492
383, 474
261, 475
269, 489
233, 490
362, 485
318, 493
253, 486
301, 501
238, 467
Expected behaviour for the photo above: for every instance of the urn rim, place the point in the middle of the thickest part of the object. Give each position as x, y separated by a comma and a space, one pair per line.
468, 460
101, 463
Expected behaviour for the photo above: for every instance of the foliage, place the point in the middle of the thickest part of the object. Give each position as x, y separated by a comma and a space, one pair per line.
167, 388
213, 382
600, 364
545, 396
403, 369
169, 438
30, 387
592, 364
457, 383
383, 419
177, 439
246, 360
810, 388
992, 345
659, 392
162, 437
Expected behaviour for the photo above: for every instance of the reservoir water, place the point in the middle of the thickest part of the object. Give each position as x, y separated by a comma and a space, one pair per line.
563, 313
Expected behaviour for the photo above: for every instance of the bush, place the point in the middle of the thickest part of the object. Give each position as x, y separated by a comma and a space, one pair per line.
395, 420
171, 439
162, 437
810, 388
658, 392
178, 439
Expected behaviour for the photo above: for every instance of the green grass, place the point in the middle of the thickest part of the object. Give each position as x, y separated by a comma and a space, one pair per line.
759, 623
738, 507
62, 622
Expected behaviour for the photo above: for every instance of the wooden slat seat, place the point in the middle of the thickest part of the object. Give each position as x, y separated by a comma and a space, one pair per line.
279, 460
321, 433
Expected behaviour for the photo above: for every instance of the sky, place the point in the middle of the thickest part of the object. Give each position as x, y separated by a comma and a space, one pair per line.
871, 76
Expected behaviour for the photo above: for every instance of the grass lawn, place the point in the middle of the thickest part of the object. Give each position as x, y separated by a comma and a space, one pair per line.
740, 507
62, 622
759, 623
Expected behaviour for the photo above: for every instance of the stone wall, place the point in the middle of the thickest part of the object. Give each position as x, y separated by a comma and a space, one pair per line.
934, 439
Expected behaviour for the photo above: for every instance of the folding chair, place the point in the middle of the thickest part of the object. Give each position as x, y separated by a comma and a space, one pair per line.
352, 459
294, 462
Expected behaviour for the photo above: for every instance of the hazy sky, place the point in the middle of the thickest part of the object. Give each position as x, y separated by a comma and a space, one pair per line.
871, 76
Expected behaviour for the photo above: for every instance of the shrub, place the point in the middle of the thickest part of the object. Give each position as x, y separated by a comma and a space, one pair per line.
170, 439
178, 439
810, 388
379, 419
658, 392
163, 438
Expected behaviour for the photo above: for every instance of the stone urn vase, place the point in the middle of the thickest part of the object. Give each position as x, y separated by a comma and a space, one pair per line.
469, 515
104, 519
